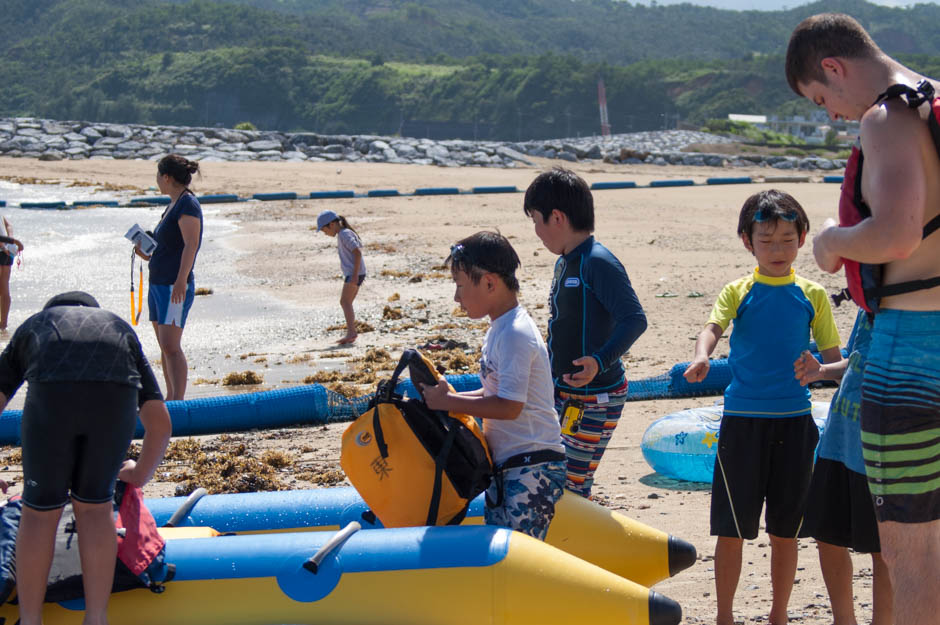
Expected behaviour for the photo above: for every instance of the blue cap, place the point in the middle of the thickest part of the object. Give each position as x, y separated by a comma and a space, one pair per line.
325, 218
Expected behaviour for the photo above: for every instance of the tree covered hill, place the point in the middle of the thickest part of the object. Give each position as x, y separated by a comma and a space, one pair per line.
484, 68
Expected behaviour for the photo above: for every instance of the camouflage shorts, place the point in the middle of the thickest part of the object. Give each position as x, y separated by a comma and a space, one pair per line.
523, 498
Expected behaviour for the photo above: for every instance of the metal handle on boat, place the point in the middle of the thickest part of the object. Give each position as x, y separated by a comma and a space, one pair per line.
313, 564
187, 507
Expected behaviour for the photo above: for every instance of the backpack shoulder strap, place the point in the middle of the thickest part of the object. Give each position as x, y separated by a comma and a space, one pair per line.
440, 463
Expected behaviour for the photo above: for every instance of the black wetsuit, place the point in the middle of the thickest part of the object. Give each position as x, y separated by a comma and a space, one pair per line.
87, 375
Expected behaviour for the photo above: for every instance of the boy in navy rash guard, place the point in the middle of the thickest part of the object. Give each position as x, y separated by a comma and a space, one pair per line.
595, 317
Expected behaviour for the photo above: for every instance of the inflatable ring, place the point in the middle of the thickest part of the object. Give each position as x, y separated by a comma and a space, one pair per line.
683, 445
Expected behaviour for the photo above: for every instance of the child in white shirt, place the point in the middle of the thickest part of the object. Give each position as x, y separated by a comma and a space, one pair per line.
516, 402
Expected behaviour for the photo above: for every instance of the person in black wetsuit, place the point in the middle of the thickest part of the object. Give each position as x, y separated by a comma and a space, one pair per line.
87, 378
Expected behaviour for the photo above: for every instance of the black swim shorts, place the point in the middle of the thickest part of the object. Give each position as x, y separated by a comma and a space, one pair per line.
840, 510
75, 436
762, 459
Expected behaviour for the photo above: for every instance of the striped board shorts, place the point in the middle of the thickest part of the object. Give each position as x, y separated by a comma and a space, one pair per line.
586, 447
901, 416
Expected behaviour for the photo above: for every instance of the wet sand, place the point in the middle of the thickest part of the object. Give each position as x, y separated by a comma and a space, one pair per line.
675, 243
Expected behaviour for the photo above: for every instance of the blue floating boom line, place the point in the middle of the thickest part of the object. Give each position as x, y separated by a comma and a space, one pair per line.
672, 183
329, 195
613, 185
738, 180
267, 197
504, 189
83, 203
49, 205
438, 191
217, 198
160, 199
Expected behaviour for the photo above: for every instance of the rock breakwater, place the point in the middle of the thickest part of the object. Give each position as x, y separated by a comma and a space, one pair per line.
59, 140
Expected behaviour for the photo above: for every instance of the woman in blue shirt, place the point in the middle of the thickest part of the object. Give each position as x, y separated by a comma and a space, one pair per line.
172, 287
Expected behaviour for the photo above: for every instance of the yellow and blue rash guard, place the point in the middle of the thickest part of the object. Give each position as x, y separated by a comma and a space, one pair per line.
772, 321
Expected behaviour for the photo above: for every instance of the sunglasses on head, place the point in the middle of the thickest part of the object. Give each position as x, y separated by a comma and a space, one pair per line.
772, 214
460, 254
462, 257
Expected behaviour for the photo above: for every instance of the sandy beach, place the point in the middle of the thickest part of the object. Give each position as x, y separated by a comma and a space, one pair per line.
678, 245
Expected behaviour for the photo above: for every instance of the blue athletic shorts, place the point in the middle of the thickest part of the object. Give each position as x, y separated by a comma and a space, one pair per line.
6, 259
359, 282
163, 311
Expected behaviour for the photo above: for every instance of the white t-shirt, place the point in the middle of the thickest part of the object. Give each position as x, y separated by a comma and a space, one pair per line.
515, 366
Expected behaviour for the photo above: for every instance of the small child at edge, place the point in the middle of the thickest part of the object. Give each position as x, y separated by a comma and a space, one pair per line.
351, 263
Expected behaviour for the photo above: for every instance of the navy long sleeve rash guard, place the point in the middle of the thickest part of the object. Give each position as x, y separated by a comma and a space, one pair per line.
594, 312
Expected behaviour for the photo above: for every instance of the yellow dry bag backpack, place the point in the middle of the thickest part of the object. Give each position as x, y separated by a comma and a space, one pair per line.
413, 465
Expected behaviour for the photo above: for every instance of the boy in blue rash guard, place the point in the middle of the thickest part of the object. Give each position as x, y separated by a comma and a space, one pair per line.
840, 513
595, 318
767, 437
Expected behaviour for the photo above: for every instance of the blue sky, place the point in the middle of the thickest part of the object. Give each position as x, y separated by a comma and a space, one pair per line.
773, 5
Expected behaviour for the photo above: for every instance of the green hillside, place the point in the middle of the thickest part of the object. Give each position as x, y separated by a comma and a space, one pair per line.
469, 68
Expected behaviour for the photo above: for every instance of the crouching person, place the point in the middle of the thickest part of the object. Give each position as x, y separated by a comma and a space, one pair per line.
87, 378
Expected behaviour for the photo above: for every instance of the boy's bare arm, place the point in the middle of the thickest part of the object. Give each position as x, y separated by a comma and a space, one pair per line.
440, 397
807, 369
831, 355
704, 346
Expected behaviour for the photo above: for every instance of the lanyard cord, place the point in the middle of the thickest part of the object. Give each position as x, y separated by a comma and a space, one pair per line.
135, 317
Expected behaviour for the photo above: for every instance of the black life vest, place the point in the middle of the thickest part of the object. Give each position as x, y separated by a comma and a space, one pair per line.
865, 280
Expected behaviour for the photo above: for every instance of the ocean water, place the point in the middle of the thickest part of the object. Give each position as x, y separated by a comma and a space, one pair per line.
85, 249
14, 193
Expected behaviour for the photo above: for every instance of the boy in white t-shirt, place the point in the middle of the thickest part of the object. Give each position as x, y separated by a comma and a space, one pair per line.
516, 402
